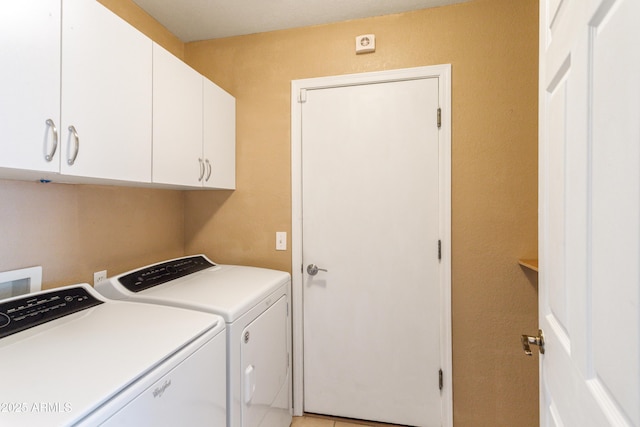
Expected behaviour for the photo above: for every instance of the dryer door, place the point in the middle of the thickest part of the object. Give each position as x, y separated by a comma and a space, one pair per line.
265, 369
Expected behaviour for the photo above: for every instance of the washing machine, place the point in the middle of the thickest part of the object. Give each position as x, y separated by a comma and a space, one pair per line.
71, 357
254, 303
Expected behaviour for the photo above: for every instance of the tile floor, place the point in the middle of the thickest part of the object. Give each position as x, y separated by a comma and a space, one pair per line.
312, 420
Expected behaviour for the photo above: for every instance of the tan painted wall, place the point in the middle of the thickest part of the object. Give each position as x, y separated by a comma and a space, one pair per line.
75, 230
492, 46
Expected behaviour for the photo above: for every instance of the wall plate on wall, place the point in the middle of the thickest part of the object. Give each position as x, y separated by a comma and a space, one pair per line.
366, 43
20, 282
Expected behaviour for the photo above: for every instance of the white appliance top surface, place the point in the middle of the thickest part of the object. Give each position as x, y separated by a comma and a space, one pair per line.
226, 290
73, 364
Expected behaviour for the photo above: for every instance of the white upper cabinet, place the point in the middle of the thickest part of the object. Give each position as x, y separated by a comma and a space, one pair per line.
177, 121
219, 135
29, 84
87, 98
106, 95
194, 127
74, 99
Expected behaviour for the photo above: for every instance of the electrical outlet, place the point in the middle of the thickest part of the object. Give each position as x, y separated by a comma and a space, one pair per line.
99, 277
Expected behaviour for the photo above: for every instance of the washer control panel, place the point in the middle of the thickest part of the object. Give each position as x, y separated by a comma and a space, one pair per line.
158, 274
32, 310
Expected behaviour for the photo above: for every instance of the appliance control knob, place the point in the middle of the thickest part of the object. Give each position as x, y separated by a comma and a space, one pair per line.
4, 320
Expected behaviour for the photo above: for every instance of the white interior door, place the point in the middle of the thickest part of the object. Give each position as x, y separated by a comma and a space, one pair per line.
370, 203
590, 212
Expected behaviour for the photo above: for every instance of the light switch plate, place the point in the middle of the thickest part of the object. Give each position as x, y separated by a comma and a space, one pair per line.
281, 240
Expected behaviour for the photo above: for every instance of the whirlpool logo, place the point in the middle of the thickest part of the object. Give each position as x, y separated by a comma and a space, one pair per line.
159, 391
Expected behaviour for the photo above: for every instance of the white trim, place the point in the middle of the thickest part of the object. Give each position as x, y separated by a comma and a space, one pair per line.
443, 73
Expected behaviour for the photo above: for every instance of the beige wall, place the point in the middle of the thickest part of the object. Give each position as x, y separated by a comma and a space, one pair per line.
492, 46
75, 230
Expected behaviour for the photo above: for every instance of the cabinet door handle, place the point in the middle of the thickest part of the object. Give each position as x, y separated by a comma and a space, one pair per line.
54, 131
208, 170
72, 131
201, 170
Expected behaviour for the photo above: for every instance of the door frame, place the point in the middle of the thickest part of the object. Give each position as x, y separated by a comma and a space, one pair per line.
298, 88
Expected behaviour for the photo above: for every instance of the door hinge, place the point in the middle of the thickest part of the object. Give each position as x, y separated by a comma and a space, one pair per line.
440, 379
439, 250
439, 118
302, 96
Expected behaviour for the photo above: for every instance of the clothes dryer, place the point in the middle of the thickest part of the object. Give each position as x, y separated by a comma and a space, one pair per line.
255, 305
71, 357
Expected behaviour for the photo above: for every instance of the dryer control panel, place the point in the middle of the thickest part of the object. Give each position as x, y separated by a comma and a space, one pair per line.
164, 272
32, 310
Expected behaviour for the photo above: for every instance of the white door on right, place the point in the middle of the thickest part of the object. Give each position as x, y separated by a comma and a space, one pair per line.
590, 212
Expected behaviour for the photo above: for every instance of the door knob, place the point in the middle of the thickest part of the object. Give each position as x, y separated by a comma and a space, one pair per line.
313, 269
528, 340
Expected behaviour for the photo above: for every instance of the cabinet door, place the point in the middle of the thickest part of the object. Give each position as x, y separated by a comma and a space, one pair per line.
106, 95
29, 83
177, 121
219, 135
